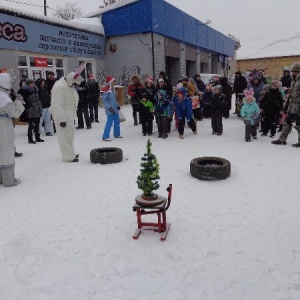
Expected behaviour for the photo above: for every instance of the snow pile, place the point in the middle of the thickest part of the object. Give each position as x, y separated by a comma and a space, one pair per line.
66, 229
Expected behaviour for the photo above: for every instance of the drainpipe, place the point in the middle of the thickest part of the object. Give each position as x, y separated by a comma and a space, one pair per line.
153, 62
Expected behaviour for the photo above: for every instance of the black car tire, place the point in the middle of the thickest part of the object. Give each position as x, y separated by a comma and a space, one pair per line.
210, 168
106, 155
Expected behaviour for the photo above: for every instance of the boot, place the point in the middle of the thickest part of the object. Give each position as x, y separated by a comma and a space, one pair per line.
181, 136
297, 145
278, 142
135, 120
31, 141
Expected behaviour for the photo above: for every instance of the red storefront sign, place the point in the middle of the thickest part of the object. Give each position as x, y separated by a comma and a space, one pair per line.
40, 62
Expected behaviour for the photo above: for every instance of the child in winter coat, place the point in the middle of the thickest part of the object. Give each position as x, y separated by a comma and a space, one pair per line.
206, 101
250, 115
216, 110
271, 105
161, 112
146, 114
183, 108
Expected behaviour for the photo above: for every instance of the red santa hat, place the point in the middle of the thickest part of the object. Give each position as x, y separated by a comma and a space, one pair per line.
150, 79
109, 80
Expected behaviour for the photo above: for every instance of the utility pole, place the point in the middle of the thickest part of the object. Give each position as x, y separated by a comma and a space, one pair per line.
45, 7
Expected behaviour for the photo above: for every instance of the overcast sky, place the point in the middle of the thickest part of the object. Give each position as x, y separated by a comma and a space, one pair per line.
255, 23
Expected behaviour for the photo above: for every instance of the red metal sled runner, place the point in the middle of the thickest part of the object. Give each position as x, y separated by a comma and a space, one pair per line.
161, 226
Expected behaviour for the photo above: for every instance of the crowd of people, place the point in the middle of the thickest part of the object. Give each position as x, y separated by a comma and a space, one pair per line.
269, 108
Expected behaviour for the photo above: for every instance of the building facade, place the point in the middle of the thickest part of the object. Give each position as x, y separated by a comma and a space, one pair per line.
148, 36
31, 47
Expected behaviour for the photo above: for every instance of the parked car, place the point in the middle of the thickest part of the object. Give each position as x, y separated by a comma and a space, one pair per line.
208, 78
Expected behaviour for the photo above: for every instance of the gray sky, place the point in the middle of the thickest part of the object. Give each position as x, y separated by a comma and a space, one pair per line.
254, 22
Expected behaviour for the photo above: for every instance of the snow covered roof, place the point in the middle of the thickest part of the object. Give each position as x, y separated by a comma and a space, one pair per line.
101, 11
287, 46
92, 25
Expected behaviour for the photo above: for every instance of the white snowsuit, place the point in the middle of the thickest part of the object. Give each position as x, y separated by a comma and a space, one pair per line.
8, 110
64, 100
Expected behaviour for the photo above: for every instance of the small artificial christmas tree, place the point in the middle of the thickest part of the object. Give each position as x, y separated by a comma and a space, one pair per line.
147, 180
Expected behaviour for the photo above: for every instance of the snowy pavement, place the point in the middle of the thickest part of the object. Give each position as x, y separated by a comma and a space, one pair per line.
66, 230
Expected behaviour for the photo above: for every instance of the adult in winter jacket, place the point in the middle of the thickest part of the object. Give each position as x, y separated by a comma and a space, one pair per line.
33, 110
135, 90
271, 105
286, 79
293, 110
184, 111
83, 106
111, 109
200, 84
239, 85
257, 85
169, 89
250, 115
93, 93
8, 110
64, 102
216, 109
227, 92
45, 100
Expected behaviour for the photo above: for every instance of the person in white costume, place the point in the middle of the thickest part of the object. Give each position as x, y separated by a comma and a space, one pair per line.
64, 100
8, 110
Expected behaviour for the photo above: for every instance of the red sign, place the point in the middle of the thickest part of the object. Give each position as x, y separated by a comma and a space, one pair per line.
40, 62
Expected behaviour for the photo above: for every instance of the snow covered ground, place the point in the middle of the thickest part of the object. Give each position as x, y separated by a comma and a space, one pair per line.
66, 230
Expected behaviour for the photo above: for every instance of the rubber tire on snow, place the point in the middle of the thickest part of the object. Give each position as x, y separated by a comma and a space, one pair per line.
106, 155
210, 168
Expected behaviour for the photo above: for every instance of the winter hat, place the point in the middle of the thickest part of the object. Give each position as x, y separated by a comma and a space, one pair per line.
109, 80
178, 86
144, 95
255, 77
182, 91
91, 76
162, 92
249, 93
185, 78
295, 67
29, 81
150, 79
275, 84
266, 87
160, 80
217, 87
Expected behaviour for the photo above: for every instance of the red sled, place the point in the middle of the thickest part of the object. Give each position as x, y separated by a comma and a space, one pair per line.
160, 210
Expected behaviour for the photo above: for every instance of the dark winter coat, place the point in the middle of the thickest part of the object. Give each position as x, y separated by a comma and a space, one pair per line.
161, 106
216, 106
150, 93
49, 84
257, 88
240, 84
135, 90
200, 84
227, 92
272, 103
43, 93
206, 98
93, 91
83, 94
33, 105
286, 81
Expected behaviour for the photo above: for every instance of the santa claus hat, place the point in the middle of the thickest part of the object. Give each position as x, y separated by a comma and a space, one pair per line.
109, 80
150, 79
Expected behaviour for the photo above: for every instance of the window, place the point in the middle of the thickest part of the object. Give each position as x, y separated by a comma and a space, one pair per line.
88, 68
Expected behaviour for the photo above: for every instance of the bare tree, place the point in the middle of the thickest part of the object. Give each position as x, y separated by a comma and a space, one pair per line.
68, 12
108, 2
